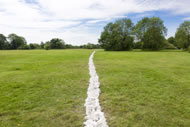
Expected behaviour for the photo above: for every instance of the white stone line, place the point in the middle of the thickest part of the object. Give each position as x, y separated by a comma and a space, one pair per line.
94, 115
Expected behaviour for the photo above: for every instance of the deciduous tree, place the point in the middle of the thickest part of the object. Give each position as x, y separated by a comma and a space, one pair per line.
3, 42
152, 39
117, 36
57, 43
16, 41
152, 32
182, 36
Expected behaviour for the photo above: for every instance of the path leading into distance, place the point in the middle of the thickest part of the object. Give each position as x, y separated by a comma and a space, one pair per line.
94, 115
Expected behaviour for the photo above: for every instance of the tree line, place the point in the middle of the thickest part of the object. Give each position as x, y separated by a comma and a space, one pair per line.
14, 41
148, 34
121, 35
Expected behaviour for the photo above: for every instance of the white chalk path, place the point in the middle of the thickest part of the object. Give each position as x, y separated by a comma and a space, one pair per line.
94, 115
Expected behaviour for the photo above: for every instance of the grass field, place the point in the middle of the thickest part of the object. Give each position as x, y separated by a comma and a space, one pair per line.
145, 89
41, 88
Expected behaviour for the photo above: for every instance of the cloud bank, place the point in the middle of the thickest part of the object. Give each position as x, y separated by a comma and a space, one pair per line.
75, 21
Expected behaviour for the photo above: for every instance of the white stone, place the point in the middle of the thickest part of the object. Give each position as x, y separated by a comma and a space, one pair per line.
94, 115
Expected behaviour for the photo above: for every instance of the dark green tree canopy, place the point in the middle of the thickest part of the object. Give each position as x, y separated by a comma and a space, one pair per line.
13, 41
117, 36
42, 45
16, 41
56, 43
182, 36
143, 25
34, 46
90, 46
153, 39
3, 42
171, 40
152, 32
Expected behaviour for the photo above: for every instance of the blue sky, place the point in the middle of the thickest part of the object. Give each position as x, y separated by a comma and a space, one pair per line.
79, 22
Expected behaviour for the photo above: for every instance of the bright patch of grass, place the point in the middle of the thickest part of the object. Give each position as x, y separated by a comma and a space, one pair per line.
145, 89
43, 88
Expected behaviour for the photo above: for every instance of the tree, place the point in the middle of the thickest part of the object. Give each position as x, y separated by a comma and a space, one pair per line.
47, 47
171, 40
148, 30
137, 45
117, 36
168, 45
24, 47
42, 45
16, 41
34, 46
69, 46
141, 27
90, 46
3, 42
153, 39
182, 36
57, 43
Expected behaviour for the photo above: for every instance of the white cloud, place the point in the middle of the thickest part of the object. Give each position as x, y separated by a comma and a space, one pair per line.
187, 18
70, 19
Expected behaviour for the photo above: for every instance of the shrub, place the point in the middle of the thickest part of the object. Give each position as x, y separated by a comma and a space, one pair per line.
47, 46
24, 47
34, 46
169, 45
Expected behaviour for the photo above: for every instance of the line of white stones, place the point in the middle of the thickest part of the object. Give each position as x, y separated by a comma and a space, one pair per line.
94, 115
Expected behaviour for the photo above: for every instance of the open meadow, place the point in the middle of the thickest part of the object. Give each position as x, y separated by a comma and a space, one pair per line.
41, 88
94, 63
145, 89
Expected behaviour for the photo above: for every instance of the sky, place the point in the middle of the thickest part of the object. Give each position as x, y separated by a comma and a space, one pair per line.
79, 22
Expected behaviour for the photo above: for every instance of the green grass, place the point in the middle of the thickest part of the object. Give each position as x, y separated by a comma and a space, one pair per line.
41, 88
145, 89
